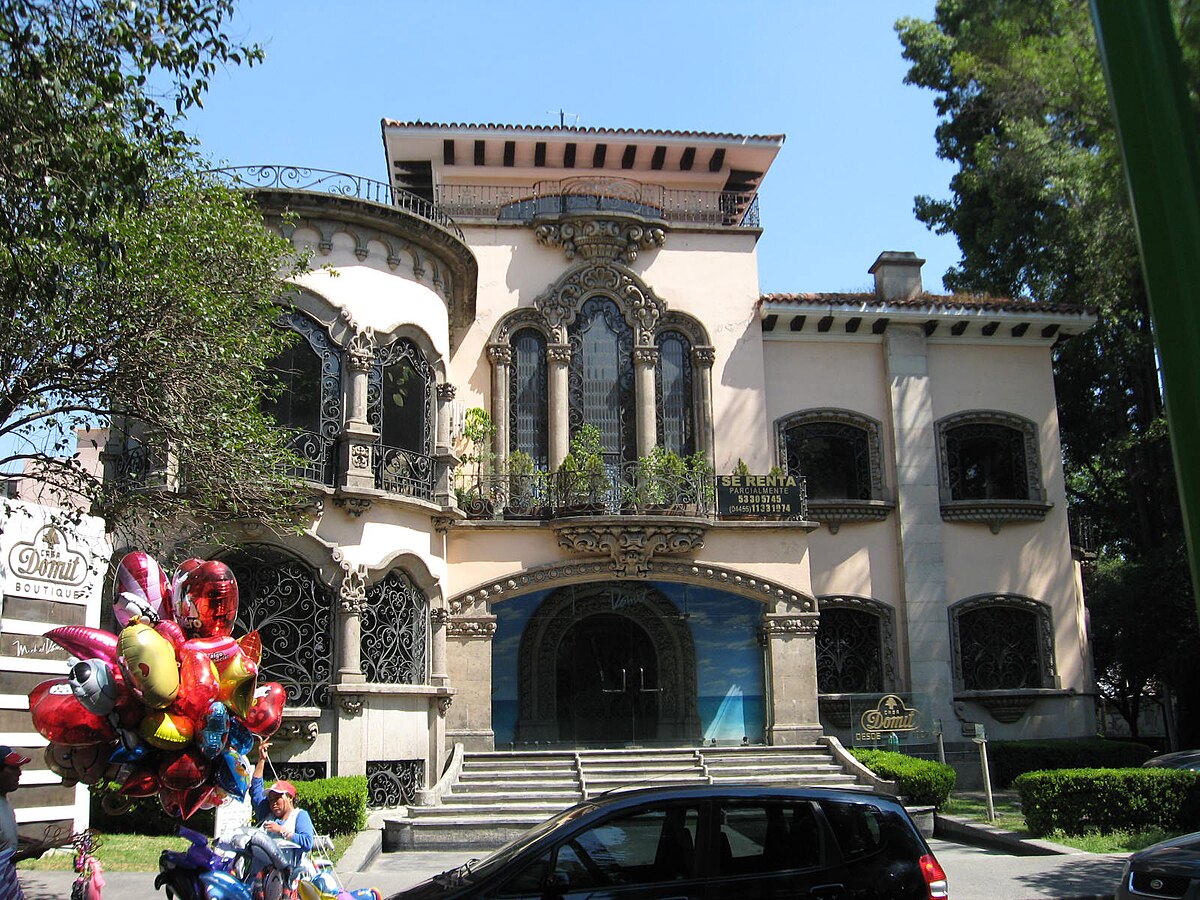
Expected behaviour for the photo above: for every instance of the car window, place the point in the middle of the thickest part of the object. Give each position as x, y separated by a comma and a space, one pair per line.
768, 836
530, 881
647, 847
863, 829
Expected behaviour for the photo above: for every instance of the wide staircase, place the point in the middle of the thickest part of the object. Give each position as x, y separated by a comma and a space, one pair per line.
499, 795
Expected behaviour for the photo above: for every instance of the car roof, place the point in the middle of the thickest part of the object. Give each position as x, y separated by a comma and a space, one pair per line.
734, 791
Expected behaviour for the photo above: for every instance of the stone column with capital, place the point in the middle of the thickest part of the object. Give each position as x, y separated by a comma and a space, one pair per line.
644, 361
559, 359
439, 618
501, 357
444, 458
470, 630
702, 365
358, 437
791, 639
352, 597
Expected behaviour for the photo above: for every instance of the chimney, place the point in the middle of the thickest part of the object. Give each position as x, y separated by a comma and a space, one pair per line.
897, 275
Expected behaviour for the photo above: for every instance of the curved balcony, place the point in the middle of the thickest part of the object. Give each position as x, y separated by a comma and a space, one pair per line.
324, 181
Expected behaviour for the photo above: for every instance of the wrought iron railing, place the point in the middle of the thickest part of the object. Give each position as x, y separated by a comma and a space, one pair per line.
625, 489
522, 204
316, 457
400, 471
299, 178
143, 466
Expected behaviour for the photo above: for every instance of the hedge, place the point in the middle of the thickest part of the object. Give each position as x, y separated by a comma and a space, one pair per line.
1078, 801
336, 805
1008, 759
922, 782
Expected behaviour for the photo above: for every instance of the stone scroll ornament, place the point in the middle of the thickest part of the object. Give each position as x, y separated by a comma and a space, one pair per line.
171, 704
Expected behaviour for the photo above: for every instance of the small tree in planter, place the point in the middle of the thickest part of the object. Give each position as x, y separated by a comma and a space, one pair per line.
526, 486
476, 492
659, 481
581, 478
700, 477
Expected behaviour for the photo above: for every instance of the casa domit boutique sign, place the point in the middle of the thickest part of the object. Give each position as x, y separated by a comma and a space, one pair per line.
774, 496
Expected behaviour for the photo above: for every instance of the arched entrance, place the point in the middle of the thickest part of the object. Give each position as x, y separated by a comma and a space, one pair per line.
607, 664
607, 682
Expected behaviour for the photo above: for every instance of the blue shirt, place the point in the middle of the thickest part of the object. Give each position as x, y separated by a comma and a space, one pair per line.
303, 832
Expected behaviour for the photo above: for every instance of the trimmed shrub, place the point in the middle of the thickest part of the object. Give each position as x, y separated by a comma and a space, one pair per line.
337, 805
1079, 801
1008, 759
923, 782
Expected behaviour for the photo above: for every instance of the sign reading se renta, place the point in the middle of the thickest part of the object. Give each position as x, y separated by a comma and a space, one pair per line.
760, 495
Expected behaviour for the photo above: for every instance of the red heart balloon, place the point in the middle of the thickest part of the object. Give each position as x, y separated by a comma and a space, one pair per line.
60, 718
84, 642
142, 783
266, 711
198, 684
209, 602
184, 771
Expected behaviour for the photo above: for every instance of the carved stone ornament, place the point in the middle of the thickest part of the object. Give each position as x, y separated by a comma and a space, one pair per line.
442, 524
593, 237
704, 356
444, 705
439, 616
360, 350
645, 356
472, 628
446, 392
351, 704
801, 624
1006, 708
500, 354
352, 591
360, 458
305, 730
631, 546
642, 309
575, 572
559, 353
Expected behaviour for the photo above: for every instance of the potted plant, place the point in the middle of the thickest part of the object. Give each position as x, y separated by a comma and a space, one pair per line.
526, 487
475, 490
700, 478
660, 482
581, 479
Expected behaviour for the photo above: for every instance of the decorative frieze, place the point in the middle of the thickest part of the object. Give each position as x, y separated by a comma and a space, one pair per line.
631, 546
790, 624
601, 238
500, 354
483, 627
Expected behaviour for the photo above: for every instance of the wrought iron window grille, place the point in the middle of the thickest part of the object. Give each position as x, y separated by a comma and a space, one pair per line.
394, 782
394, 635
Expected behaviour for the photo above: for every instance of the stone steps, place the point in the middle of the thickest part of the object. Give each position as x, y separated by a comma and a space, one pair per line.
499, 795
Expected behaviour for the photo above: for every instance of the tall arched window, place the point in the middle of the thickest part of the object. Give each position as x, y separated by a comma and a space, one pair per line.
309, 402
673, 393
1002, 642
528, 390
601, 377
400, 406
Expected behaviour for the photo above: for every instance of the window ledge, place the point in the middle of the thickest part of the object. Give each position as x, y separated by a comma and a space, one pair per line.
995, 512
1007, 705
374, 687
833, 513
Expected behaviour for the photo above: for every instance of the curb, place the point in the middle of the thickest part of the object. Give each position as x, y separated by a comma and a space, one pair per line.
361, 852
966, 831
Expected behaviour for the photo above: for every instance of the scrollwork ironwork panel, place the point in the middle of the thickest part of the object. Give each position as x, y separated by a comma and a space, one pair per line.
998, 649
673, 393
394, 635
301, 771
394, 782
400, 399
848, 652
282, 599
528, 392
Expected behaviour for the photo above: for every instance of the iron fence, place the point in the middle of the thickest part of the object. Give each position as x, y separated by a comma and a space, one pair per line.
400, 471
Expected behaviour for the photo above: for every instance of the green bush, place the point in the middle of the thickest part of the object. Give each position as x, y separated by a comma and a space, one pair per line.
337, 805
1079, 801
922, 782
1008, 759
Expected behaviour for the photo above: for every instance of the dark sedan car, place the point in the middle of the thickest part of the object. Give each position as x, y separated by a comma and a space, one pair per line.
708, 843
1180, 759
1169, 870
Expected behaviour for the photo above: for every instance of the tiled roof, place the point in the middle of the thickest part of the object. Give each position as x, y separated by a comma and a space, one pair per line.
925, 301
575, 129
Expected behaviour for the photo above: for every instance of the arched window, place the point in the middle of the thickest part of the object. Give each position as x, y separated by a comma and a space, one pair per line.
394, 637
400, 406
833, 456
855, 652
1002, 642
673, 393
989, 456
282, 599
309, 402
528, 390
601, 377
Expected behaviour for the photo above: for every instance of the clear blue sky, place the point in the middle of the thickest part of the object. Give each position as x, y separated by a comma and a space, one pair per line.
827, 74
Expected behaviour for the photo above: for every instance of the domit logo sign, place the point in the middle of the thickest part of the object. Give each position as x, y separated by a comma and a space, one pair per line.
49, 558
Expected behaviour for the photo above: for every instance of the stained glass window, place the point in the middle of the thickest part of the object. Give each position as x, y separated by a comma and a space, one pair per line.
673, 392
528, 393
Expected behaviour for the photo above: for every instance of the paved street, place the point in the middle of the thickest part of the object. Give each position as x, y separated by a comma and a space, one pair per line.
974, 873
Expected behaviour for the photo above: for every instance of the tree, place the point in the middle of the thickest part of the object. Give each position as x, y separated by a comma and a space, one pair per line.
134, 291
1040, 211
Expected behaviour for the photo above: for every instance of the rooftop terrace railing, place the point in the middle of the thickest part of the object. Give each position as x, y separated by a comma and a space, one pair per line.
299, 178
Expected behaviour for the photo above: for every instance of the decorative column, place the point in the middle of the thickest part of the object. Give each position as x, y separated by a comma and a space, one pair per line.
352, 597
446, 461
791, 640
702, 364
439, 618
559, 357
469, 633
501, 357
350, 747
358, 437
644, 361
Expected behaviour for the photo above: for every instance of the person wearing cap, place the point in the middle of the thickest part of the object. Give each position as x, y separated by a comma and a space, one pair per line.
276, 808
13, 847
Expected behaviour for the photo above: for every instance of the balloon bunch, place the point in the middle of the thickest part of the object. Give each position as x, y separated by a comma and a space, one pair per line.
171, 705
